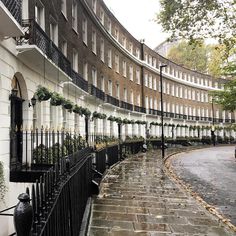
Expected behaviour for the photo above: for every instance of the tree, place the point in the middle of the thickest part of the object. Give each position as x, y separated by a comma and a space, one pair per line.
197, 20
194, 58
226, 97
203, 58
215, 63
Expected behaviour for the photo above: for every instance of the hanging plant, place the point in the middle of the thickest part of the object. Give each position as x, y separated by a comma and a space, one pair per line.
132, 122
78, 110
42, 93
86, 112
126, 121
67, 104
111, 118
56, 99
118, 120
103, 116
96, 114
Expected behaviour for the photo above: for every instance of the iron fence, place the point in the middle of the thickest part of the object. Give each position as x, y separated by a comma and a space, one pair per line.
58, 199
42, 148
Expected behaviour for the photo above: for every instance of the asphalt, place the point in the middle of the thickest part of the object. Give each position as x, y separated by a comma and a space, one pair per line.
212, 175
139, 197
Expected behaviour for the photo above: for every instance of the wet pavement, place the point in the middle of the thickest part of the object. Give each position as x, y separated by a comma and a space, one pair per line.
138, 198
211, 173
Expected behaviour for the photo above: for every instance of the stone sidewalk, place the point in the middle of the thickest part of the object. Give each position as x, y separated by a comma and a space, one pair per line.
137, 198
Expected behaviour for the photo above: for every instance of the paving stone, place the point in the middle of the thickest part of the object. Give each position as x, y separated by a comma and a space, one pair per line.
138, 198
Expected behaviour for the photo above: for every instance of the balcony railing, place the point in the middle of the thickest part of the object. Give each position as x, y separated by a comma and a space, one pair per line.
139, 109
15, 8
35, 35
97, 92
126, 105
79, 81
152, 112
112, 100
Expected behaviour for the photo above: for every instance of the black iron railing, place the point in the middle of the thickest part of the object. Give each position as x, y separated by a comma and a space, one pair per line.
42, 148
97, 92
15, 8
139, 109
58, 198
79, 81
35, 35
112, 100
126, 105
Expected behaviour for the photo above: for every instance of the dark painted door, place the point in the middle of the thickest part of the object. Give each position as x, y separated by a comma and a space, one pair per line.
16, 133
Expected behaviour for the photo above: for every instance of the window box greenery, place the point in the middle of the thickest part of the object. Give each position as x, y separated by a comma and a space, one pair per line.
43, 94
67, 104
78, 110
86, 112
56, 99
111, 118
118, 120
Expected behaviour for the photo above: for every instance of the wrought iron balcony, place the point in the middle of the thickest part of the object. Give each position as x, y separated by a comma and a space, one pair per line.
79, 81
139, 109
35, 35
97, 92
126, 105
15, 8
152, 112
112, 100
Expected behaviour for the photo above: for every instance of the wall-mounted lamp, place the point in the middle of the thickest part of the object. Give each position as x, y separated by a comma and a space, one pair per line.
33, 102
13, 94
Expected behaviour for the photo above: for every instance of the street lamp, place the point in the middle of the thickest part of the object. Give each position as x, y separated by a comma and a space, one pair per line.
162, 125
213, 123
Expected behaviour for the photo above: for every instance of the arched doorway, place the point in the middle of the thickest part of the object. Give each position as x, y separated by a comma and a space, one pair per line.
16, 129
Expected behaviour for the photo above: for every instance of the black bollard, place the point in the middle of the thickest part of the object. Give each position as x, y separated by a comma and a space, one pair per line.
23, 215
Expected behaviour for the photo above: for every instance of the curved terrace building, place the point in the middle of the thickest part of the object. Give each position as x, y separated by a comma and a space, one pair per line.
79, 50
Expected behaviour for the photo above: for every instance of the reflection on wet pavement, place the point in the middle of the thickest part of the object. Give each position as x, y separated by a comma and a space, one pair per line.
137, 198
212, 174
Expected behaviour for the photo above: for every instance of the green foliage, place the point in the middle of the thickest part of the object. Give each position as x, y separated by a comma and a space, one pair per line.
111, 118
78, 110
56, 99
227, 97
67, 104
98, 115
196, 20
42, 93
86, 112
191, 57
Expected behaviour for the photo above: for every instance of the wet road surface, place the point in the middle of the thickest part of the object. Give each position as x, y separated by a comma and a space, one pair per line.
137, 198
211, 173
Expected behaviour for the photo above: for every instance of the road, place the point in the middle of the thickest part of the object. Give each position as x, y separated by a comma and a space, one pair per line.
212, 174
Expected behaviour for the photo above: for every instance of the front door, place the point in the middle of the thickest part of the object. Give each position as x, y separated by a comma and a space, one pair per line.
16, 133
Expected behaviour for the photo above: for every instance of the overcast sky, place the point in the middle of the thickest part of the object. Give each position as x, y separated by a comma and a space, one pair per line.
137, 17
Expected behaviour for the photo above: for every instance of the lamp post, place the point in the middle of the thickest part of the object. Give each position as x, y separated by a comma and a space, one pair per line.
213, 123
162, 125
